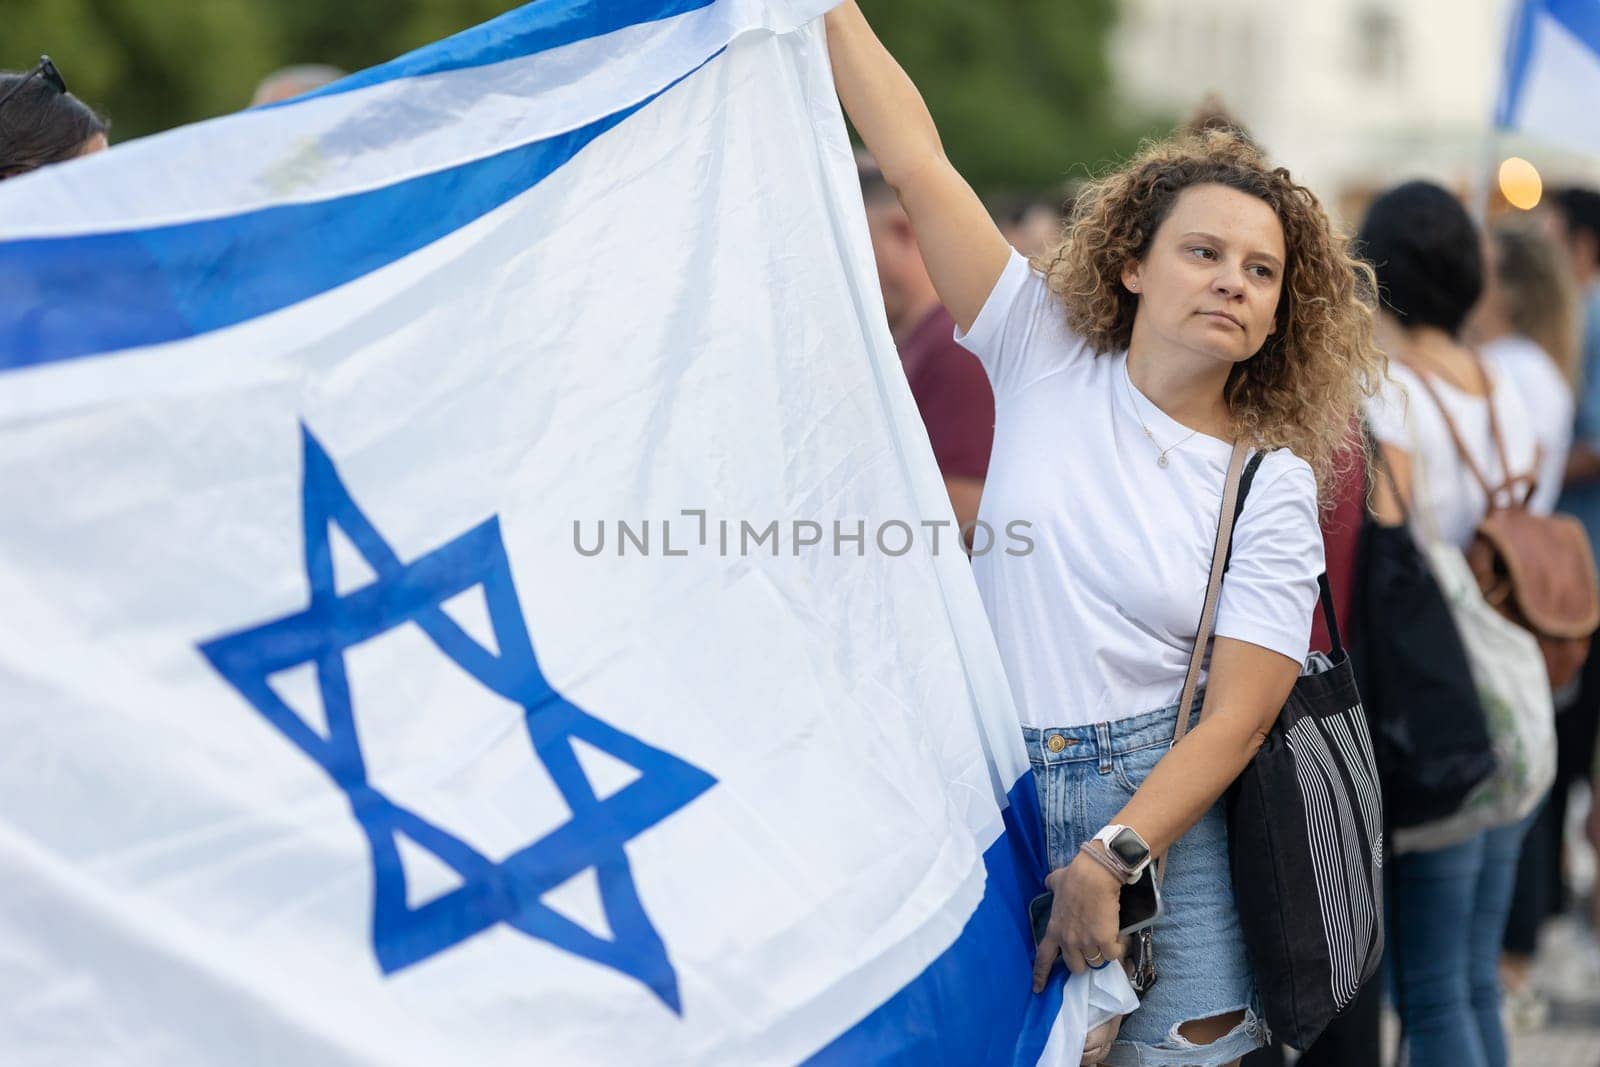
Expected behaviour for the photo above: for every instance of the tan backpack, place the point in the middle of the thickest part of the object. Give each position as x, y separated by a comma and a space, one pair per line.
1536, 570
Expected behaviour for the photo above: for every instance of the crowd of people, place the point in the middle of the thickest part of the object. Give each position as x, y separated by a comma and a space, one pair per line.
1189, 307
1468, 320
1507, 319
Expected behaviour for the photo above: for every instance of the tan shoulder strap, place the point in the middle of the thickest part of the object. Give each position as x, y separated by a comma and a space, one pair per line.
1516, 489
1208, 613
1462, 452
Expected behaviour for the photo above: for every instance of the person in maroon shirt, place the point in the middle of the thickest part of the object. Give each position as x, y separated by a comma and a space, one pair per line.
1341, 528
949, 385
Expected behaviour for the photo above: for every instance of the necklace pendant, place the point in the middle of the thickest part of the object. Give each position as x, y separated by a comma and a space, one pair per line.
1161, 460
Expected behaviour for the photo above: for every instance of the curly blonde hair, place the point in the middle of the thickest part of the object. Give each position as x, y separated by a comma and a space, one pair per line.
1302, 390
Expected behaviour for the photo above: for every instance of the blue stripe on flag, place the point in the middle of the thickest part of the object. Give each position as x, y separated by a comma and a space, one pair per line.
67, 297
1519, 51
537, 27
1580, 18
974, 1004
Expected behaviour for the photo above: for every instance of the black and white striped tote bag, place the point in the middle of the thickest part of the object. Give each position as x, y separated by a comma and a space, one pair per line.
1305, 825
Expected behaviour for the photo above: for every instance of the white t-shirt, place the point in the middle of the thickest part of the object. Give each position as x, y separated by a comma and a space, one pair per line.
1098, 621
1548, 399
1404, 416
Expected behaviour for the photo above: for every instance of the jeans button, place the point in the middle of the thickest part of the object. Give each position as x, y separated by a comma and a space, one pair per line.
1056, 743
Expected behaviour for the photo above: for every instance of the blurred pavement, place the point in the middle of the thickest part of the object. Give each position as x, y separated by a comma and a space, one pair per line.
1568, 973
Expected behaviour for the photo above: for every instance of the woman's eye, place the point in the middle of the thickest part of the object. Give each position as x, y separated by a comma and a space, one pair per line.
1203, 252
1262, 272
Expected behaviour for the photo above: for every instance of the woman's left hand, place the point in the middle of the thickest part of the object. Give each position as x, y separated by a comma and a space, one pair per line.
1083, 920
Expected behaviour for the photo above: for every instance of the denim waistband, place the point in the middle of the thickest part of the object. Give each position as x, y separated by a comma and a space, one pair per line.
1094, 741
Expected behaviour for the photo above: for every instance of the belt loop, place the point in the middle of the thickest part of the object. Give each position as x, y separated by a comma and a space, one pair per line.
1102, 739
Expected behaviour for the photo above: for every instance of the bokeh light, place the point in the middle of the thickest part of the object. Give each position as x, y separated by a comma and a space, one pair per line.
1520, 183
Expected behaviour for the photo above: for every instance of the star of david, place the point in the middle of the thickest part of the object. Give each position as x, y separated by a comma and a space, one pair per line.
490, 893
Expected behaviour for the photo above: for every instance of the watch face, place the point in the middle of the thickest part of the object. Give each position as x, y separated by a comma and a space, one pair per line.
1127, 847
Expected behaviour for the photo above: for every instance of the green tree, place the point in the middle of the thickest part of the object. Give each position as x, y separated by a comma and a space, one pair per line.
154, 64
149, 65
1020, 88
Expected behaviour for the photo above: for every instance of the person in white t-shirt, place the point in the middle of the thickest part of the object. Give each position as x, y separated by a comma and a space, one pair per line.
1448, 906
1527, 327
1200, 298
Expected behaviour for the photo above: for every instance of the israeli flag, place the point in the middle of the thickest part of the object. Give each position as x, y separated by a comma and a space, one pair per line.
386, 671
1552, 76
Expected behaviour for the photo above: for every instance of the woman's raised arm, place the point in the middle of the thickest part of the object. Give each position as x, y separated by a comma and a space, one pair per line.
964, 250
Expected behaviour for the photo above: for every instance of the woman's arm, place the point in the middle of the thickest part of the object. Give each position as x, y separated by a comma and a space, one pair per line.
1246, 689
963, 249
1382, 501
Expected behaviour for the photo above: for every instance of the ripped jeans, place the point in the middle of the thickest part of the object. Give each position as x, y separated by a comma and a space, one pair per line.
1085, 774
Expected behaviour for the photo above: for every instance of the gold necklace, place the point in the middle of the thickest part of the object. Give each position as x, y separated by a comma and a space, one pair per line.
1162, 453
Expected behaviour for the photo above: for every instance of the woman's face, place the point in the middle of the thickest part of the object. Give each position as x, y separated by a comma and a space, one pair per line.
1211, 279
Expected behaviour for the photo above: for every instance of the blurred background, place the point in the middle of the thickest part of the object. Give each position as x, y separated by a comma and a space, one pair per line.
1029, 94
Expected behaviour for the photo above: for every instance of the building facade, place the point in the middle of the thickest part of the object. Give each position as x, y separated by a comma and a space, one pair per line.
1351, 95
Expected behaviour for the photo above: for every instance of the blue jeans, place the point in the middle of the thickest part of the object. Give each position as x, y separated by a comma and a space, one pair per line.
1085, 775
1446, 920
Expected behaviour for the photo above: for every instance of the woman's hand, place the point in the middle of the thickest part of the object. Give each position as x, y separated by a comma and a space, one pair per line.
1083, 920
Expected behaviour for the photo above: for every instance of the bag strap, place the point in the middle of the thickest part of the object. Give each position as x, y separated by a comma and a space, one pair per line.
1455, 434
1508, 486
1419, 520
1494, 428
1234, 491
1240, 487
1221, 553
1380, 466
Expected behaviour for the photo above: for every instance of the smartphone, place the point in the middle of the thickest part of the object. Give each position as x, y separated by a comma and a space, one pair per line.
1139, 905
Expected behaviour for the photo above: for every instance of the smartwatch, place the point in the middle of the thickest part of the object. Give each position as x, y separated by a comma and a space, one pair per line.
1127, 848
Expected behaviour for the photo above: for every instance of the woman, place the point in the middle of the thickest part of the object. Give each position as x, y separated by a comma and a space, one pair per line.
41, 123
1527, 325
1448, 908
1199, 299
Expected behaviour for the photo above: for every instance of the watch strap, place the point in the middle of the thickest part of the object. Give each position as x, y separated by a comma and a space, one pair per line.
1107, 859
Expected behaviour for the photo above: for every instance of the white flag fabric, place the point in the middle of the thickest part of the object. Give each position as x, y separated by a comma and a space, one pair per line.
470, 588
1552, 75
